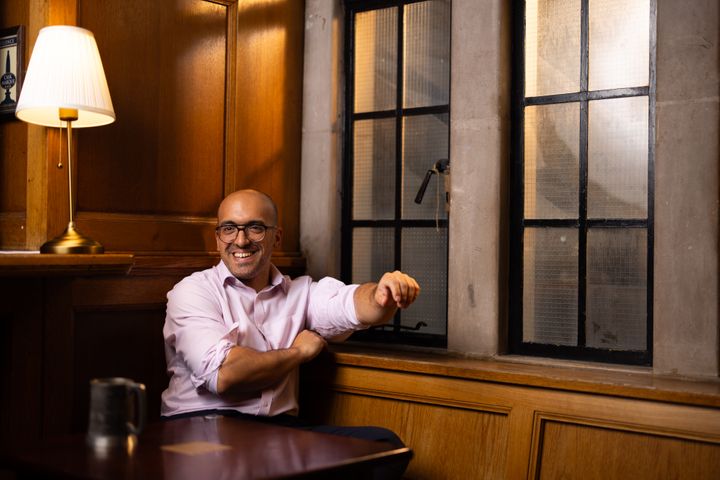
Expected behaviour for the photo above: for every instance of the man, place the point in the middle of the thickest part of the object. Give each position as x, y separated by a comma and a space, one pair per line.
236, 333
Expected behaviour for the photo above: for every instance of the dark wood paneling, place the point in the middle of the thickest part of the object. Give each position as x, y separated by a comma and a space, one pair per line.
13, 151
21, 342
166, 69
123, 343
269, 108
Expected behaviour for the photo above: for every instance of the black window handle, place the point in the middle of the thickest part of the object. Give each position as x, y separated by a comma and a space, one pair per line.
440, 167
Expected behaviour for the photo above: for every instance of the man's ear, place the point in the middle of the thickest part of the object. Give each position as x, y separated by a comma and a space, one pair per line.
278, 237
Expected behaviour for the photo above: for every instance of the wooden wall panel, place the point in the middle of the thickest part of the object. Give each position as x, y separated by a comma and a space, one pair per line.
269, 107
21, 332
126, 343
162, 163
13, 151
585, 452
473, 443
166, 67
473, 428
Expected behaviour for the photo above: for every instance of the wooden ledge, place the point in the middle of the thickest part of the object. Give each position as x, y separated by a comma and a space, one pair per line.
16, 264
596, 380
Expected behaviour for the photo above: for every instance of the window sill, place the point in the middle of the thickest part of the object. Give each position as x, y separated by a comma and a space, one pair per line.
628, 382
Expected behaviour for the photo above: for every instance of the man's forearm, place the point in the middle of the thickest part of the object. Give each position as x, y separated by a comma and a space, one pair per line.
248, 370
368, 311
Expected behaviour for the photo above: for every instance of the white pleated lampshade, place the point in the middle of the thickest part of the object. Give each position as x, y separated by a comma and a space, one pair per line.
65, 71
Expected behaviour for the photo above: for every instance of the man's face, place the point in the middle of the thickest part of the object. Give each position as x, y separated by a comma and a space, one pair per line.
248, 261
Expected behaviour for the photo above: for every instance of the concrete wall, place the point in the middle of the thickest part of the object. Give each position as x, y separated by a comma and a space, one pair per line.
686, 188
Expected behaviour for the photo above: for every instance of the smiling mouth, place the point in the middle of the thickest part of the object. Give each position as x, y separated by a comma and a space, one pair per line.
243, 254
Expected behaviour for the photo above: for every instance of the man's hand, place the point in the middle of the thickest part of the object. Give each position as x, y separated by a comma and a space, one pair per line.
376, 303
396, 289
309, 344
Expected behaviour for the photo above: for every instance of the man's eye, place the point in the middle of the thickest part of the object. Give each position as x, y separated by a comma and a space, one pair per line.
256, 228
228, 229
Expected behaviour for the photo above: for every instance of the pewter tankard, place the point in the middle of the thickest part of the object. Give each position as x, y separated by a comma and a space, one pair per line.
117, 413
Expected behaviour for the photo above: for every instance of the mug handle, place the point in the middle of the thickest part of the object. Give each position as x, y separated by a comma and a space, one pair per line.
139, 390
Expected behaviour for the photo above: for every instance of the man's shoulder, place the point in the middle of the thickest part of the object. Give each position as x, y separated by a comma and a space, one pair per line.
200, 280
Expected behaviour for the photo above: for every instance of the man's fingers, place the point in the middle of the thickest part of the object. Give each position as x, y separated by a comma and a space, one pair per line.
401, 288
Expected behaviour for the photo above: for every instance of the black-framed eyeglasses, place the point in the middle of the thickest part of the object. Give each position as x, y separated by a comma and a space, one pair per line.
255, 232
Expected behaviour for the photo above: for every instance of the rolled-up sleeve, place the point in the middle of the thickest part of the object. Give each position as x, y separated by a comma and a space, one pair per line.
195, 329
331, 308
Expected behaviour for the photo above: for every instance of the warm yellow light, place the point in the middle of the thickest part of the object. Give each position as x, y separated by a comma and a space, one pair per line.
65, 71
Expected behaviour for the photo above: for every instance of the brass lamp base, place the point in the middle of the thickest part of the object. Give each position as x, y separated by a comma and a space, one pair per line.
71, 241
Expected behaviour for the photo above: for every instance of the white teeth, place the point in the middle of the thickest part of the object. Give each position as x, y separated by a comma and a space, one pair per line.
241, 255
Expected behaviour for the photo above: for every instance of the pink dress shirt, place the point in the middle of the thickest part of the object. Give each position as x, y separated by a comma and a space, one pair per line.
210, 312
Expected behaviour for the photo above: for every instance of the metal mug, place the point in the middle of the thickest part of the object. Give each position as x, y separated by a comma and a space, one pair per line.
117, 412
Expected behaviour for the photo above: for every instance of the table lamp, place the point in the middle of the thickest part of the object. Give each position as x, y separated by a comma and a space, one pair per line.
65, 86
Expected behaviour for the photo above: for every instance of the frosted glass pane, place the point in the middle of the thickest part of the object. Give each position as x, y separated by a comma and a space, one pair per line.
424, 257
552, 47
551, 161
373, 253
618, 158
376, 60
374, 169
619, 43
550, 286
426, 75
617, 289
425, 140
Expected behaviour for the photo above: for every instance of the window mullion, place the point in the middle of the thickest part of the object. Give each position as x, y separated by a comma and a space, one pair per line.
583, 169
398, 148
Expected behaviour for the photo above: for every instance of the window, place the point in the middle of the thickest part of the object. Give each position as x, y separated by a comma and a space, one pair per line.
397, 129
582, 177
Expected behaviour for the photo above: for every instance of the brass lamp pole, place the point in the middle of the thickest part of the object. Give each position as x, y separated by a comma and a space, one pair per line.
71, 241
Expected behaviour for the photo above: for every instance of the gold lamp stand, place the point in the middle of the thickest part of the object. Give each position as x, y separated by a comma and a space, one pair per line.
70, 241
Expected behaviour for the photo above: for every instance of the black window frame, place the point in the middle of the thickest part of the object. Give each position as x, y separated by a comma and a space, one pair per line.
518, 222
394, 332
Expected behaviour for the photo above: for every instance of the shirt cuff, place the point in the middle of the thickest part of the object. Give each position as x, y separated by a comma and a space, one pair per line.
213, 360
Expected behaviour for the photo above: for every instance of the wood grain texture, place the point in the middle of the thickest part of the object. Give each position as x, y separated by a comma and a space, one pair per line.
581, 452
166, 67
344, 390
269, 107
474, 443
625, 382
37, 265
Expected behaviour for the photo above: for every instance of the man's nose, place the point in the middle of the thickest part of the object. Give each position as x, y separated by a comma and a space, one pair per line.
242, 238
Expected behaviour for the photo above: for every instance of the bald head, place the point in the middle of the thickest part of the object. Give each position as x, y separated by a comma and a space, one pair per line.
251, 200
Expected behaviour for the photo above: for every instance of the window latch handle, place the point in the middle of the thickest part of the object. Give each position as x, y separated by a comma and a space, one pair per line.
440, 166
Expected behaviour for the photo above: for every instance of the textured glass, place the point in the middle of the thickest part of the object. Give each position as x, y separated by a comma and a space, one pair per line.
551, 161
424, 257
376, 60
373, 253
426, 74
425, 141
619, 43
374, 169
617, 288
618, 158
552, 47
550, 285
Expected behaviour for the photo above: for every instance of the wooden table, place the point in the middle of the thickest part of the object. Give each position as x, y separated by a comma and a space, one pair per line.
206, 448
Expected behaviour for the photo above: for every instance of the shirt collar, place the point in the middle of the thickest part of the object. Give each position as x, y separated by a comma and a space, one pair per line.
276, 277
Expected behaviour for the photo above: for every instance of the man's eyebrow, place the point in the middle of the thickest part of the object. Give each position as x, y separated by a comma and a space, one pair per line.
251, 222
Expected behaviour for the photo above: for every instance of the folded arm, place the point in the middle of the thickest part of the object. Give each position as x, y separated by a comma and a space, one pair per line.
247, 370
